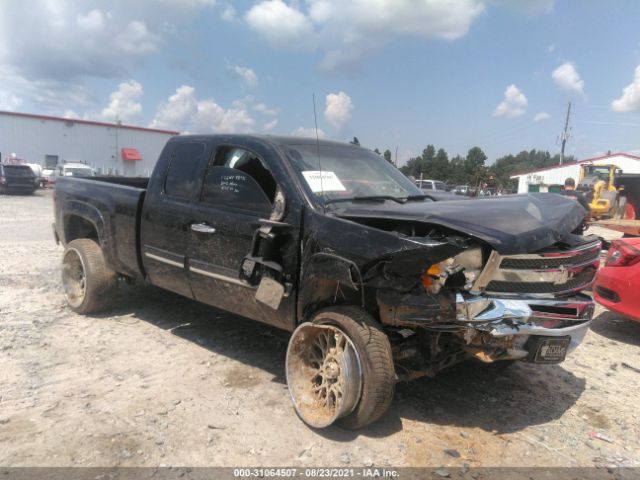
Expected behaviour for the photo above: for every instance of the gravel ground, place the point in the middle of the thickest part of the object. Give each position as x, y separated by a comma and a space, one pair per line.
162, 380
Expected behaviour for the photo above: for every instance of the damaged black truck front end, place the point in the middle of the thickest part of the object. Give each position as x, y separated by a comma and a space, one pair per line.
493, 279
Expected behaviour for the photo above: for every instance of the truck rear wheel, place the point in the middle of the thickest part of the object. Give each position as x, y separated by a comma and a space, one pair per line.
339, 369
88, 281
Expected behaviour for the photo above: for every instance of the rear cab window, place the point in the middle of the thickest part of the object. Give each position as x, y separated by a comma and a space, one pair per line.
182, 178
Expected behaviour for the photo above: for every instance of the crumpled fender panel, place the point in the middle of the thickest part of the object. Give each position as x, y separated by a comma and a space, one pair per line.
342, 261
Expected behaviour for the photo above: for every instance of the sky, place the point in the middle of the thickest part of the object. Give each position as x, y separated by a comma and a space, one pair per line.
398, 74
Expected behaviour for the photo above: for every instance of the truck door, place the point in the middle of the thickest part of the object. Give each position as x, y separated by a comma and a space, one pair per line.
165, 218
237, 198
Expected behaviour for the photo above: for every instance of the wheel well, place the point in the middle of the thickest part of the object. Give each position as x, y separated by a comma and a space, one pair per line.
79, 227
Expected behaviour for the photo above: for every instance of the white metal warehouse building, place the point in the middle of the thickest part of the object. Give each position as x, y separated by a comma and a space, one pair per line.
110, 148
543, 178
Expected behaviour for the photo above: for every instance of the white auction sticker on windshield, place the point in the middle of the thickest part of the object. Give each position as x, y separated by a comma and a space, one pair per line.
320, 181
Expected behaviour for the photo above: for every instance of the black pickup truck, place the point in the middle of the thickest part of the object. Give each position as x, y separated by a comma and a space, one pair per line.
377, 281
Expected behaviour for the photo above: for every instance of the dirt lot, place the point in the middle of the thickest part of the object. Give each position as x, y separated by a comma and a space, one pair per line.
162, 380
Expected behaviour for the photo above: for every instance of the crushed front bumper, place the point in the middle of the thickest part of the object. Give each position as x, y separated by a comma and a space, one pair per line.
500, 329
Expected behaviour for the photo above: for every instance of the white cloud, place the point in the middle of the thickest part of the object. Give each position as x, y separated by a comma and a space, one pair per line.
94, 21
338, 107
49, 95
566, 77
10, 102
124, 103
541, 117
278, 22
348, 31
228, 14
307, 132
63, 40
247, 74
136, 39
271, 125
52, 50
185, 112
264, 109
70, 114
514, 103
630, 99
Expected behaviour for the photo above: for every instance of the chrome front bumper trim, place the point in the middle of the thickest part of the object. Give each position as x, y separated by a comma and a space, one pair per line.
519, 319
482, 309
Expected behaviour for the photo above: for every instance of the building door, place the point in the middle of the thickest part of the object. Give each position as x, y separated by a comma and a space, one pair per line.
50, 161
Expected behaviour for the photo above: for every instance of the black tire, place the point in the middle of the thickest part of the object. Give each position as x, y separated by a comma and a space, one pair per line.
88, 281
374, 351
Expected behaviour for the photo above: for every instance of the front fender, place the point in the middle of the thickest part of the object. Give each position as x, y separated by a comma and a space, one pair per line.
328, 279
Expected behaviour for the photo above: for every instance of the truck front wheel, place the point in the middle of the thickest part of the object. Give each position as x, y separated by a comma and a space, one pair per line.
339, 369
88, 281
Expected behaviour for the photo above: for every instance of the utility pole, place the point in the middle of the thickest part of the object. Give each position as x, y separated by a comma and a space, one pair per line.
565, 134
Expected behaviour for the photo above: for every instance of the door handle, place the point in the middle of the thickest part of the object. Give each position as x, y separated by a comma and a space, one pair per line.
202, 228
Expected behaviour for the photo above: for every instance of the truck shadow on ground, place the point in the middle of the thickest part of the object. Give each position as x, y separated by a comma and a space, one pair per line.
470, 395
616, 327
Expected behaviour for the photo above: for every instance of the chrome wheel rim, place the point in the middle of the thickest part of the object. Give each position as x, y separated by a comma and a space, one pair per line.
74, 278
323, 374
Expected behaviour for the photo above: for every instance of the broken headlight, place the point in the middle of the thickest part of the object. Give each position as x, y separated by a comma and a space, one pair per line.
467, 263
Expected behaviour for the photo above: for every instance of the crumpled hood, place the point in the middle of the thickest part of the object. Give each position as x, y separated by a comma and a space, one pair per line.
512, 224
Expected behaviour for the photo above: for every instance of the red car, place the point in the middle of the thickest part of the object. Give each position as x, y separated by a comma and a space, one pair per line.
617, 285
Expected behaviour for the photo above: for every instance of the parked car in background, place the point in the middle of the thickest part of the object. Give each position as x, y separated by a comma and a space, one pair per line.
17, 179
431, 185
47, 175
617, 285
72, 169
37, 171
462, 190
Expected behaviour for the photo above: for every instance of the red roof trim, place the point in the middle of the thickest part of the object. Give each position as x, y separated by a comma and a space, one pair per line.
87, 122
594, 159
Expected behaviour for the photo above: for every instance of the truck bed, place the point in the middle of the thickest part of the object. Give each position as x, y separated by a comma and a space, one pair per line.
113, 205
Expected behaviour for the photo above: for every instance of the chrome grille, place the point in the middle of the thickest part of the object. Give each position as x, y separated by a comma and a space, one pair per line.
546, 273
549, 262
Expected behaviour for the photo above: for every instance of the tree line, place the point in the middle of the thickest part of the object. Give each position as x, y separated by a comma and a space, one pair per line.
472, 168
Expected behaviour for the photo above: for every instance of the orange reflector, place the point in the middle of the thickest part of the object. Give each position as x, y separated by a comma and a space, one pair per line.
434, 269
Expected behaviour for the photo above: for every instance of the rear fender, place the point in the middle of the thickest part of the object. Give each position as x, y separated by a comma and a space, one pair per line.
87, 212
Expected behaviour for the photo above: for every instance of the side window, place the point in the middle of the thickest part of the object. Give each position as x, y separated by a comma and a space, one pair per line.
237, 177
182, 175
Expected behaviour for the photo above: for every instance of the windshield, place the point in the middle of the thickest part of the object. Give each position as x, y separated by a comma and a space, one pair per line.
78, 171
18, 171
602, 172
348, 173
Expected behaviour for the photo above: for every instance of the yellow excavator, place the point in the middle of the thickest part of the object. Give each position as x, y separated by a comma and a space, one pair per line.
598, 184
